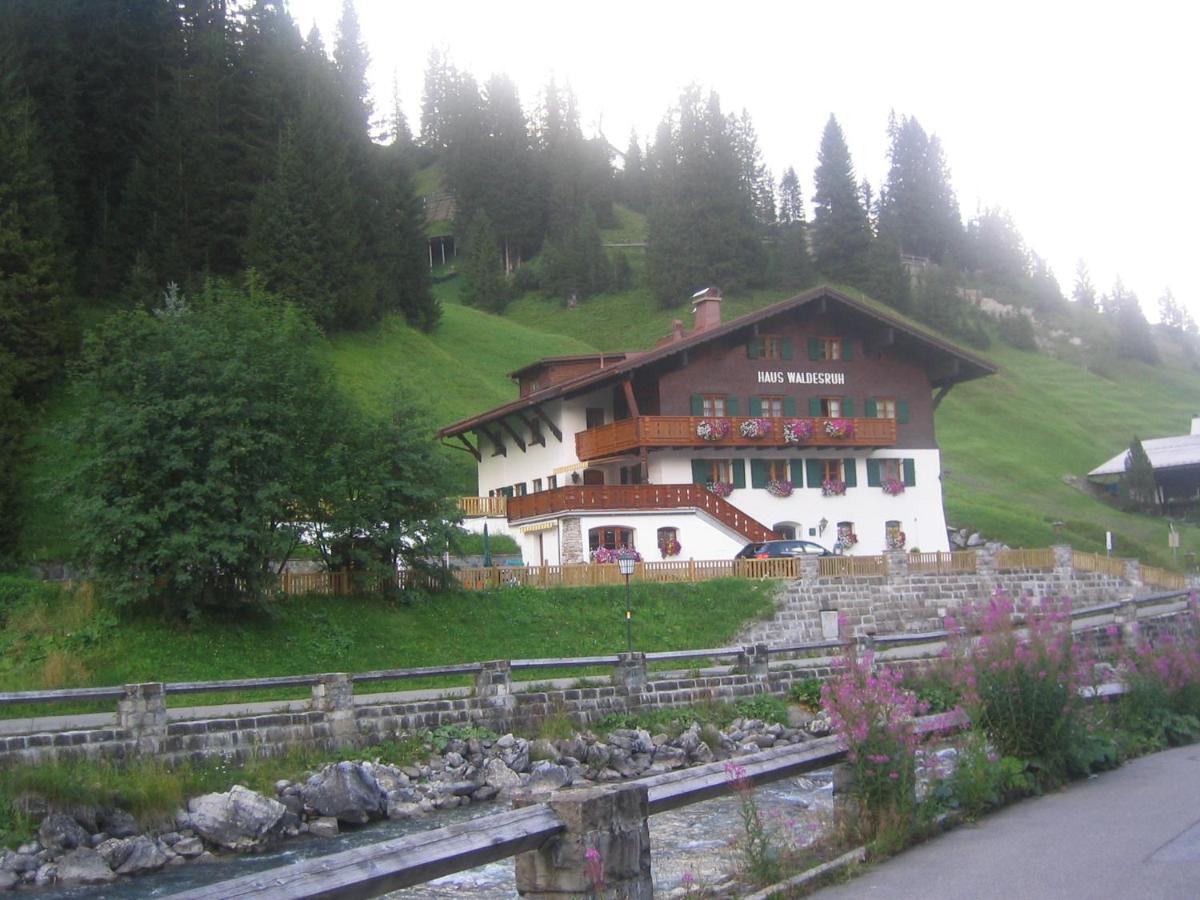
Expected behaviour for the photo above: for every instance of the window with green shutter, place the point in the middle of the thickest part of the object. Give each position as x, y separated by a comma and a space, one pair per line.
756, 406
846, 353
697, 405
760, 473
910, 472
797, 470
786, 348
814, 348
789, 406
731, 406
701, 471
850, 471
847, 407
902, 412
814, 406
873, 477
754, 348
815, 472
869, 407
739, 473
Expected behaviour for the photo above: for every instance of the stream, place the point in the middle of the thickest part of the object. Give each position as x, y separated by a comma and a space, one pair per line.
694, 840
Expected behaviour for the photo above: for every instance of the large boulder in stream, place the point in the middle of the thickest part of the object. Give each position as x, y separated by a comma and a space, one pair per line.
346, 791
239, 819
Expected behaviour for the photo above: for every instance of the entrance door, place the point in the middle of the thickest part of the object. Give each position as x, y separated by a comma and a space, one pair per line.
593, 476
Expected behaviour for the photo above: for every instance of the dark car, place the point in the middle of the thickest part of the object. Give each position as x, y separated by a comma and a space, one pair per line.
775, 549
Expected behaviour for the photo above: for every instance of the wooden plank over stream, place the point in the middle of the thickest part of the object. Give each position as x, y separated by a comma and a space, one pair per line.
398, 863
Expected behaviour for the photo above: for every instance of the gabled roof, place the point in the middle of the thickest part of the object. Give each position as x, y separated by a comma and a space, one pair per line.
1164, 453
969, 366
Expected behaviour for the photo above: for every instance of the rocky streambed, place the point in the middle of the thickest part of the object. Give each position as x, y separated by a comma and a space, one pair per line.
327, 812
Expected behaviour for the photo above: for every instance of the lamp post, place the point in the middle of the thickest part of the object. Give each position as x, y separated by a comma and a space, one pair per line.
626, 565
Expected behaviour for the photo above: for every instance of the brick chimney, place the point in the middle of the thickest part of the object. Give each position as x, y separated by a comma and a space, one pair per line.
706, 309
677, 329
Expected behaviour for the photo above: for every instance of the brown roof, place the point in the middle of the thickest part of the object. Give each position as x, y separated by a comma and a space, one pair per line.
970, 365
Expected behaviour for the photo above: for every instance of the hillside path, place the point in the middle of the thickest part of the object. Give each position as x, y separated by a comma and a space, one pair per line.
1134, 832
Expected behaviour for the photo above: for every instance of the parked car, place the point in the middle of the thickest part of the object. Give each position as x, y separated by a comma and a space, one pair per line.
775, 549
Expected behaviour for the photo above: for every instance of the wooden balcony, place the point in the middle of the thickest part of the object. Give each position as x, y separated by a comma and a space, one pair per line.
582, 498
628, 435
485, 507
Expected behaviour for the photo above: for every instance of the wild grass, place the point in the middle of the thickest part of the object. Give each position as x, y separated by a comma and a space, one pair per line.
325, 634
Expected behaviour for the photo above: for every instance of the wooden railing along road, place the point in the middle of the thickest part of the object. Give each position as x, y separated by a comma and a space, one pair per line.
625, 435
638, 496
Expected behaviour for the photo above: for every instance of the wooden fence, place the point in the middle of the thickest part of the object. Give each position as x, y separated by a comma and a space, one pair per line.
485, 507
1153, 576
852, 566
955, 563
1112, 566
1041, 558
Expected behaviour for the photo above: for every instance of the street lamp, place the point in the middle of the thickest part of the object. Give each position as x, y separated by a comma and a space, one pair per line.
626, 565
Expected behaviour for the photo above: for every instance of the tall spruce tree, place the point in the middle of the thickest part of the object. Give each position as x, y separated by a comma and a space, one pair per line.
1134, 338
482, 266
1139, 485
701, 228
791, 203
840, 235
918, 211
632, 185
1084, 292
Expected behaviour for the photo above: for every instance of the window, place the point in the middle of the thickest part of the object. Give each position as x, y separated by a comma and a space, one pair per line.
718, 470
831, 407
777, 469
824, 348
846, 537
890, 470
885, 408
831, 470
631, 474
610, 537
518, 489
772, 346
769, 346
537, 485
787, 531
552, 482
595, 416
668, 542
772, 407
713, 405
894, 535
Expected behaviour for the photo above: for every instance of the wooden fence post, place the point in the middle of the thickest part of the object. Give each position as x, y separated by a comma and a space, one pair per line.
605, 851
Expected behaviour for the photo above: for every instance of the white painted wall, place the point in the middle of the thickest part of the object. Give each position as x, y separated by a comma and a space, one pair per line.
919, 508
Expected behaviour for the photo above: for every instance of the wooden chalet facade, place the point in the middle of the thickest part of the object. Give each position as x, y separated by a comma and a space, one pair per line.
811, 418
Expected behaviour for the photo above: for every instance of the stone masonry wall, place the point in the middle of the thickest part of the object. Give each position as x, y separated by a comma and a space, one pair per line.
915, 602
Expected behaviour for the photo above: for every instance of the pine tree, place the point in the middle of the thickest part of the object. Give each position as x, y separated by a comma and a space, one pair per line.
482, 266
440, 83
1139, 485
1134, 339
791, 203
753, 176
1084, 293
840, 236
633, 176
918, 210
351, 58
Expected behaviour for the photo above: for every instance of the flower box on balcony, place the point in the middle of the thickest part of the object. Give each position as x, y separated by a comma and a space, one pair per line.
797, 431
713, 429
755, 428
780, 488
839, 428
893, 486
720, 488
832, 487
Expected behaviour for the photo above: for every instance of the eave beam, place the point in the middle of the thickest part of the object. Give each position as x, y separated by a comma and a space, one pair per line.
537, 411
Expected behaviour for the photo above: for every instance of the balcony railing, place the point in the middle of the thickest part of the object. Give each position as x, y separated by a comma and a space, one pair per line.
486, 507
681, 431
580, 498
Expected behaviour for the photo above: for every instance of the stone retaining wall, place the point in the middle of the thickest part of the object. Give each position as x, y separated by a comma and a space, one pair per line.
904, 601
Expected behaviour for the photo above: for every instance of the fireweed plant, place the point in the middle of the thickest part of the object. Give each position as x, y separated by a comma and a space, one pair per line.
1020, 684
873, 714
760, 856
1161, 706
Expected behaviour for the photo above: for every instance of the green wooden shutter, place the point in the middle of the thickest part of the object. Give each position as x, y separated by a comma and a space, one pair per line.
731, 406
850, 472
902, 412
697, 405
814, 348
739, 473
910, 473
847, 408
786, 349
789, 406
846, 351
797, 472
756, 406
816, 475
869, 409
873, 479
760, 473
754, 348
814, 406
700, 471
506, 491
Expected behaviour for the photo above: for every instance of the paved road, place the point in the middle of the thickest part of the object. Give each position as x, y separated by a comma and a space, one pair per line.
1132, 833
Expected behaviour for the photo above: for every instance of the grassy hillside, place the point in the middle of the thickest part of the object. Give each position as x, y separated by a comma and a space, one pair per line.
1009, 440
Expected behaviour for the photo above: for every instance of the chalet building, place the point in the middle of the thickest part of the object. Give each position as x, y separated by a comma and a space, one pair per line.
811, 418
1176, 463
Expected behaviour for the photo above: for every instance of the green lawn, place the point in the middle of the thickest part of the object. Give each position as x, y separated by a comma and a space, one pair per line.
53, 639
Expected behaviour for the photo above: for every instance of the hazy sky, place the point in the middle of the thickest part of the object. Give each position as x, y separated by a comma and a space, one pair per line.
1079, 118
